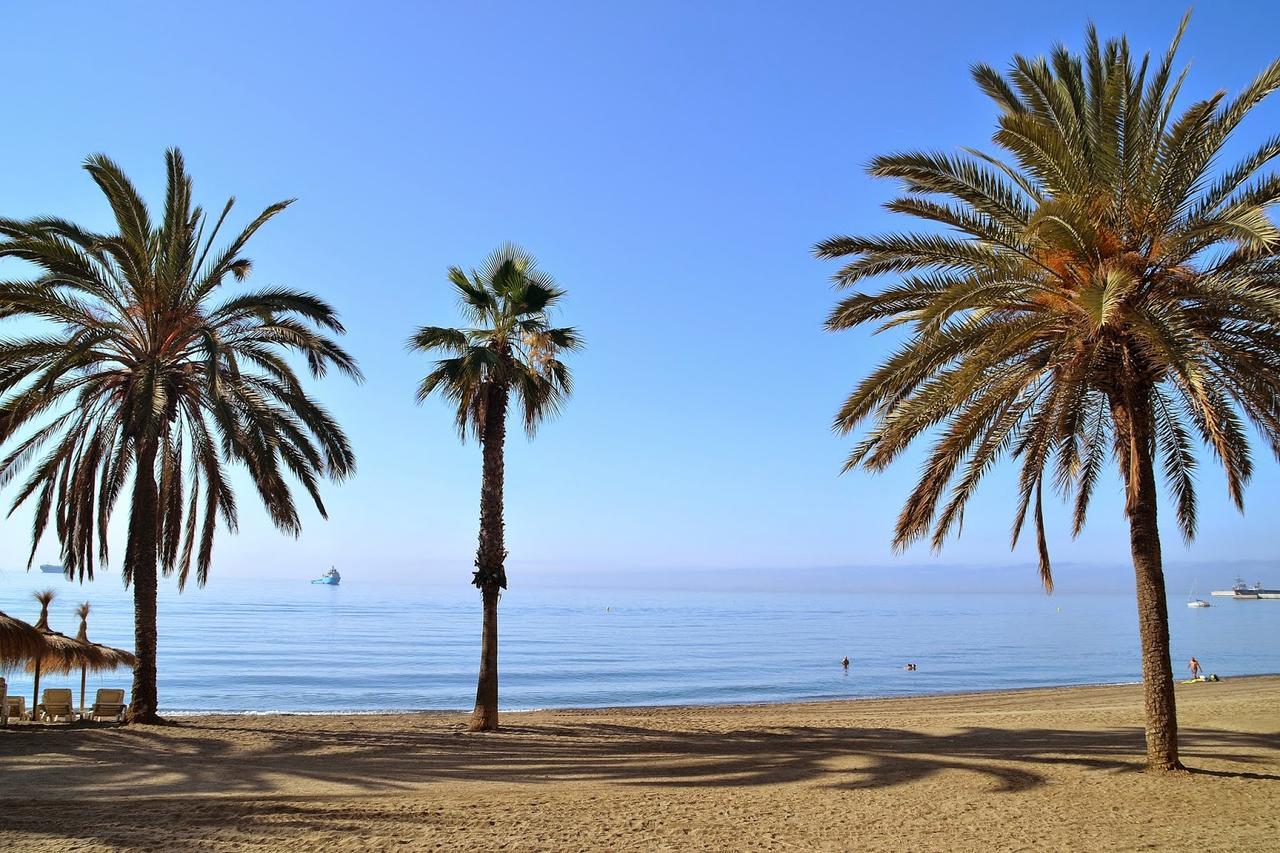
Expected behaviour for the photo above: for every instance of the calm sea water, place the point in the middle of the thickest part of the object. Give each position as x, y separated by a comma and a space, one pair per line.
290, 646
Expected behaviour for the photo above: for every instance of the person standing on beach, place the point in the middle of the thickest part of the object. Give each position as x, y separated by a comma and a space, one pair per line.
1194, 666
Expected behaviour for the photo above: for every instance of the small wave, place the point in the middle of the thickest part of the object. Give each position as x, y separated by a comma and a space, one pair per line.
362, 712
285, 712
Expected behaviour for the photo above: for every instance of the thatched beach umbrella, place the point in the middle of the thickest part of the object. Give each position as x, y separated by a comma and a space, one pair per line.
111, 658
19, 642
61, 653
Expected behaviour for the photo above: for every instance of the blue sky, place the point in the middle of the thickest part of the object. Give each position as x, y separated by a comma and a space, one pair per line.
670, 164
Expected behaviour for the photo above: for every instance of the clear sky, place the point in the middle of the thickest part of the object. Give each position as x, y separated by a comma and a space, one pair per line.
670, 163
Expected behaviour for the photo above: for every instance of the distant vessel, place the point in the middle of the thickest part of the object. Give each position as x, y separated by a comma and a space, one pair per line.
50, 569
1242, 592
1192, 600
329, 578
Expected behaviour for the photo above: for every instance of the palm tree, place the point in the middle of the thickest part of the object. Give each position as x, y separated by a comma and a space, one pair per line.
139, 374
509, 348
1105, 293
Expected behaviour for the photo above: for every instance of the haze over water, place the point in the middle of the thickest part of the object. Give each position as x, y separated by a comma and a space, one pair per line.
285, 645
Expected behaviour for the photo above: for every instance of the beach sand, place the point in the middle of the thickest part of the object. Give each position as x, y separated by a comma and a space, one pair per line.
1036, 770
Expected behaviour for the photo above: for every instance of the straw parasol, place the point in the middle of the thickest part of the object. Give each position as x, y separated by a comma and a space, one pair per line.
111, 658
61, 654
19, 642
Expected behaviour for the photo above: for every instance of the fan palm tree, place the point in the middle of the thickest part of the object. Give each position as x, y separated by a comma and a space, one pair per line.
509, 348
141, 378
1105, 291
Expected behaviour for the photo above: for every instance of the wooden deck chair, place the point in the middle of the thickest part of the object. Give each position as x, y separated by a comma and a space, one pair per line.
56, 704
109, 704
16, 708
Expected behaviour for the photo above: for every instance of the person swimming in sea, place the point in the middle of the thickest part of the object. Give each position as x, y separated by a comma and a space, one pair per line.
845, 663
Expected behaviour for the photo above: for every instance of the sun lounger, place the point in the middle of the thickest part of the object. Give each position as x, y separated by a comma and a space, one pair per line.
55, 704
107, 705
16, 706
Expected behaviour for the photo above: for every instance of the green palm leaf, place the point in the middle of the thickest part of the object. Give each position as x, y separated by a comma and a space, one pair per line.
137, 373
1101, 290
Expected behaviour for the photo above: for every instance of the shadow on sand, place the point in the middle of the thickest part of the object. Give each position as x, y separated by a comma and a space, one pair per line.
246, 767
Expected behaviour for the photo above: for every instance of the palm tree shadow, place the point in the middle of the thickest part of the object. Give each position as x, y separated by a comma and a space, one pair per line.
227, 757
247, 768
1233, 774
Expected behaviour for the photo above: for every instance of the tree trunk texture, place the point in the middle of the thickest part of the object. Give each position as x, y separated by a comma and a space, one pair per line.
1137, 448
35, 692
140, 561
485, 716
491, 555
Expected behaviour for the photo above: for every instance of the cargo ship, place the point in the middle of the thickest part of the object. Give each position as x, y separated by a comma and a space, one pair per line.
329, 578
1243, 592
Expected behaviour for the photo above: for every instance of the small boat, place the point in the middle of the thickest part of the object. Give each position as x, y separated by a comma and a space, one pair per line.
329, 578
1192, 600
1240, 591
50, 569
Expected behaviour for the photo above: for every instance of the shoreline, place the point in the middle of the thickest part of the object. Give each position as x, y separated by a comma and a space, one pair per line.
764, 703
1056, 768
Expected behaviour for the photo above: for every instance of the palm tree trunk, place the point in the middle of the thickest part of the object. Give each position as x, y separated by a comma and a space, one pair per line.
140, 563
1134, 436
35, 691
485, 716
491, 554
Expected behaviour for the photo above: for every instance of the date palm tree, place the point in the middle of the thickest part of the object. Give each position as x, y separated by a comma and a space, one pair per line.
1106, 290
510, 347
143, 377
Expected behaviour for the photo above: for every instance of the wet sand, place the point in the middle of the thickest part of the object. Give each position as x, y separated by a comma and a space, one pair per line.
1056, 769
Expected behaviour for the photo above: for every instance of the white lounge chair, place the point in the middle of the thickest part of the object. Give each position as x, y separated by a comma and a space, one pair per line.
109, 704
55, 704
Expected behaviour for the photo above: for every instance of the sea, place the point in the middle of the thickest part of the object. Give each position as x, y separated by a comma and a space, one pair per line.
263, 646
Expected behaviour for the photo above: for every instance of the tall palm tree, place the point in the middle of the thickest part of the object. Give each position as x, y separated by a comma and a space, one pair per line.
510, 347
1106, 292
139, 373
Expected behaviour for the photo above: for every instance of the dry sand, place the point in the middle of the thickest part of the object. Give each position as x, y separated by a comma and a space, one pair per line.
1030, 770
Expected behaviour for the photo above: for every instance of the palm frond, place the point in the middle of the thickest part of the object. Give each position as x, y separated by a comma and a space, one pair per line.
132, 362
1100, 292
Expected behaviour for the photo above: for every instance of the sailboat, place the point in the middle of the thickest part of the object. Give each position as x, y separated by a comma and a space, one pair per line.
1192, 600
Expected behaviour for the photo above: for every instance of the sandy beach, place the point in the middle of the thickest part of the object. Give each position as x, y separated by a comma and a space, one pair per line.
1055, 769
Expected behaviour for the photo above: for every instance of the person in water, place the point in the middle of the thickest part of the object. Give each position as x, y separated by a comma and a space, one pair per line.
1194, 666
845, 663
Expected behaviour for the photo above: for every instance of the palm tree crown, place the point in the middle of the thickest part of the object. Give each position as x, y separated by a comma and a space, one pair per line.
1107, 289
510, 343
139, 368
